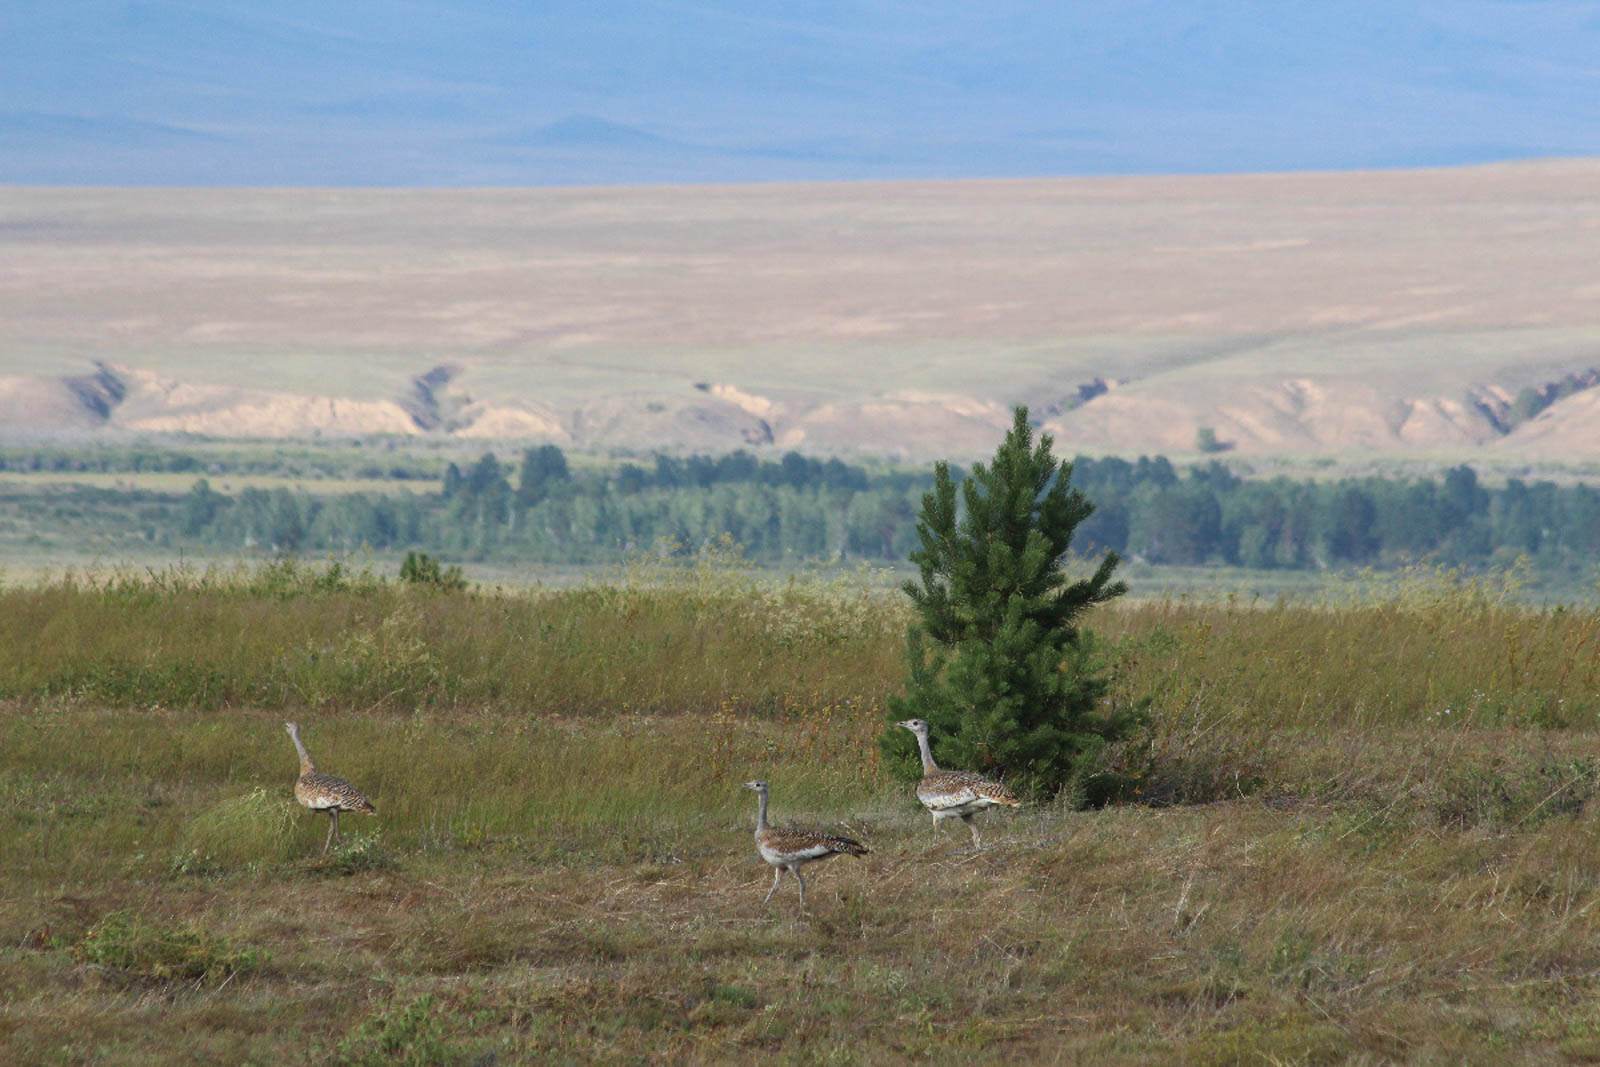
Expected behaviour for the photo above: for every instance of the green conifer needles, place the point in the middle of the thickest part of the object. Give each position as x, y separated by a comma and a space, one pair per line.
999, 665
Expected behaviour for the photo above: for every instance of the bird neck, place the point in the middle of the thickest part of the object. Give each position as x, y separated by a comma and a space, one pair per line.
306, 766
761, 811
928, 766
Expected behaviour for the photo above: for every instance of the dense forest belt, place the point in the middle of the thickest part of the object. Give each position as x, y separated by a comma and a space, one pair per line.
540, 510
705, 639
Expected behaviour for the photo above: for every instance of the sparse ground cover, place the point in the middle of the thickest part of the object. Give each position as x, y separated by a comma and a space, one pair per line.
1360, 832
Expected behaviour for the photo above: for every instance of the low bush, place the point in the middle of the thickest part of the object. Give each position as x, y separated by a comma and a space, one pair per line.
416, 1032
141, 949
251, 828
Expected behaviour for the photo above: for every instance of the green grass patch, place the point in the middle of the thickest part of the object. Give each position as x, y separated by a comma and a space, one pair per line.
254, 827
136, 948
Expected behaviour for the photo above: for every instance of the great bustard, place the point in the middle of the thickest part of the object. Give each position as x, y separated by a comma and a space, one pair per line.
955, 794
325, 792
789, 849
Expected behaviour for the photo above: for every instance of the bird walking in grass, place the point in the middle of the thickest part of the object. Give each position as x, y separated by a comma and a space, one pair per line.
325, 792
955, 794
789, 849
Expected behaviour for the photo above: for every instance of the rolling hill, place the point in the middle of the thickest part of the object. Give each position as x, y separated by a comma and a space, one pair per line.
1407, 312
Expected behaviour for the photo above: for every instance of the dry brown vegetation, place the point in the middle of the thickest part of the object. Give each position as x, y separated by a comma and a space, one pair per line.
1321, 864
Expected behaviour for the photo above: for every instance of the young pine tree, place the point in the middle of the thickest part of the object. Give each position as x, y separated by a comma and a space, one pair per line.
1000, 668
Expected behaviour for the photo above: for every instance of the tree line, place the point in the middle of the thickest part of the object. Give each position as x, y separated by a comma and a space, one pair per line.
801, 508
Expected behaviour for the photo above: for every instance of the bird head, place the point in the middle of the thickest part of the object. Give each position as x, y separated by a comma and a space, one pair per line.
293, 728
758, 785
916, 726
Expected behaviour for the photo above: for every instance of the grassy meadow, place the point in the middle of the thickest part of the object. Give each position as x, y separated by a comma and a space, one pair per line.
1358, 830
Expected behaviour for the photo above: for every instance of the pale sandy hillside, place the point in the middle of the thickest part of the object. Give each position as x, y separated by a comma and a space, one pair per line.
1387, 311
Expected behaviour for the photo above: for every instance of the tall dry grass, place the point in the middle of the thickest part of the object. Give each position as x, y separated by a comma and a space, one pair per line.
1418, 649
291, 636
1431, 650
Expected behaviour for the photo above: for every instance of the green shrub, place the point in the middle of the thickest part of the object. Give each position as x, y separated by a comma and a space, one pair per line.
998, 664
144, 950
1517, 790
412, 1034
354, 854
420, 568
258, 826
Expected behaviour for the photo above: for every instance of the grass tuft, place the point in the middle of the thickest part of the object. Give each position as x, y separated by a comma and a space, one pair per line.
140, 949
414, 1033
353, 854
256, 827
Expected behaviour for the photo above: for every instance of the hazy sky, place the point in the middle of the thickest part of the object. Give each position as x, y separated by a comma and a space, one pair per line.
429, 92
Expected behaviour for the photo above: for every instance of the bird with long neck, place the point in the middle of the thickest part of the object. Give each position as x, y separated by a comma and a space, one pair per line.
955, 794
789, 849
325, 792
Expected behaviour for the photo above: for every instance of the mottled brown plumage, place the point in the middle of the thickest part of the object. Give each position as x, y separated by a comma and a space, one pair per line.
955, 794
325, 792
790, 848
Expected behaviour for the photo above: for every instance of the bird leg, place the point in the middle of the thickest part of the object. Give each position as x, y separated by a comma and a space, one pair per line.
801, 879
777, 876
333, 829
977, 844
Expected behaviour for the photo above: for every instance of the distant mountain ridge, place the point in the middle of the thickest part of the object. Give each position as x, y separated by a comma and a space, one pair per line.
1418, 313
474, 92
1294, 417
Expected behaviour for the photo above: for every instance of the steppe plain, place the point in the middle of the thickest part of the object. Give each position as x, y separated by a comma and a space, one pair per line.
1355, 831
1321, 313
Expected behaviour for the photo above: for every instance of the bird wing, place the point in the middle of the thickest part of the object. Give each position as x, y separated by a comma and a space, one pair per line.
323, 791
943, 790
809, 844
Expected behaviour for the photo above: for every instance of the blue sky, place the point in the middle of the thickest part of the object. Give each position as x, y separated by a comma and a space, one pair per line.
426, 92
